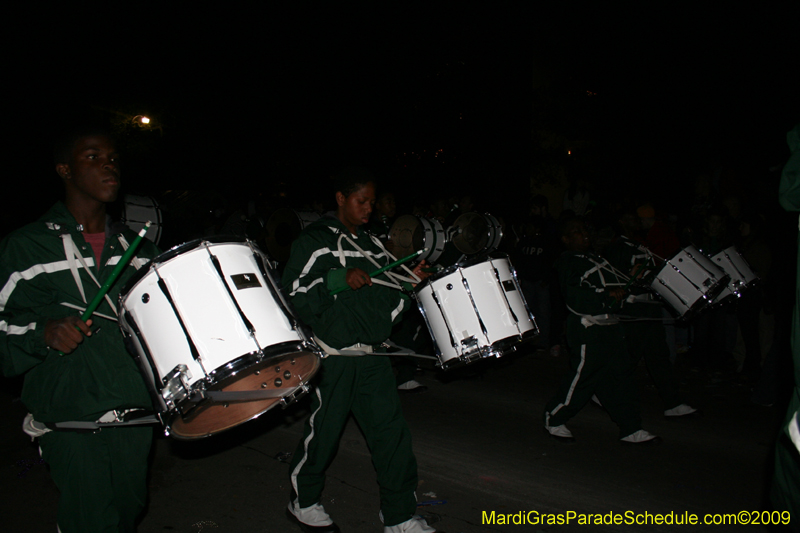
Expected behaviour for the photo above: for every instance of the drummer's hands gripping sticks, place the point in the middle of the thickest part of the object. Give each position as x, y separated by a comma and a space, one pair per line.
357, 278
421, 271
66, 334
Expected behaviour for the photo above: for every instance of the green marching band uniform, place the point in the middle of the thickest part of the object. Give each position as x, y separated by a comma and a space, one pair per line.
786, 482
599, 362
645, 337
364, 385
42, 278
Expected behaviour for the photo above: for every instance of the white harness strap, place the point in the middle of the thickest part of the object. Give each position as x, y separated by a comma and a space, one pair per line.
136, 262
413, 279
71, 252
393, 284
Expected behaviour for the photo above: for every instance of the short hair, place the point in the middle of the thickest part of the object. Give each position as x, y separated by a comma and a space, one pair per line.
67, 139
352, 179
567, 225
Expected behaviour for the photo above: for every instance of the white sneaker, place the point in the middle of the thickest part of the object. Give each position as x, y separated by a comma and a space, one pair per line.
412, 385
641, 437
681, 410
414, 525
314, 516
560, 433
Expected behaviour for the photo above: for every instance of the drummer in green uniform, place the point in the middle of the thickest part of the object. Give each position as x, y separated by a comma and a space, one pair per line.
351, 327
599, 362
49, 270
645, 337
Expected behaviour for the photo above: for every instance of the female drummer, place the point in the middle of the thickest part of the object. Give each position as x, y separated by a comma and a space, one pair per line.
325, 258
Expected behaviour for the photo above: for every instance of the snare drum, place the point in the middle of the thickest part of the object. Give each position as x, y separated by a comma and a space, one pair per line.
741, 275
217, 343
475, 232
689, 282
411, 233
475, 311
138, 210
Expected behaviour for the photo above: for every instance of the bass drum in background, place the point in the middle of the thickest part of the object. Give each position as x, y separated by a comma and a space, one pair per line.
283, 228
411, 233
474, 233
138, 210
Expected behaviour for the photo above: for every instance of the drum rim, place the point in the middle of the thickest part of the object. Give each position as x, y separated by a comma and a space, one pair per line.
174, 252
302, 348
463, 265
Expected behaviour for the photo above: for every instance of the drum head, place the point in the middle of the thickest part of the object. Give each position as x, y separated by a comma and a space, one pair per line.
407, 235
288, 372
283, 227
472, 233
138, 210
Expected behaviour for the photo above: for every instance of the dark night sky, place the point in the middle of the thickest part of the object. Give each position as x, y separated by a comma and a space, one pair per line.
248, 97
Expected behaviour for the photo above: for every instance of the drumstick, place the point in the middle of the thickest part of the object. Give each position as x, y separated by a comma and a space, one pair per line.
123, 262
636, 272
385, 268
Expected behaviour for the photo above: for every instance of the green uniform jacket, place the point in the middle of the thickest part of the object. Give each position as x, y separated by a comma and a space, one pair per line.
99, 375
318, 264
623, 255
584, 284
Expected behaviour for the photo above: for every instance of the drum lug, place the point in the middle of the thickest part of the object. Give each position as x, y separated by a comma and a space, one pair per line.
288, 400
470, 345
176, 388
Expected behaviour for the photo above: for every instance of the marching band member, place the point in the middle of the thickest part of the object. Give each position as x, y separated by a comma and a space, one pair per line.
325, 258
599, 363
49, 270
646, 338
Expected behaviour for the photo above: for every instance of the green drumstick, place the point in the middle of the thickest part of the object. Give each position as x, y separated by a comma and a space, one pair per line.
636, 271
123, 262
385, 268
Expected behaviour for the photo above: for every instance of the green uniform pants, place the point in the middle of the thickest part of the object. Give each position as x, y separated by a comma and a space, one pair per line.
366, 387
102, 477
599, 364
648, 340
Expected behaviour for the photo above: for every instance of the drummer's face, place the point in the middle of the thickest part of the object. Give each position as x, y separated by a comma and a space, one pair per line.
355, 208
577, 239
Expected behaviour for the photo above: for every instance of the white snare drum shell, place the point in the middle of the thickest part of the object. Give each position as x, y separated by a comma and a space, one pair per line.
211, 318
475, 311
741, 275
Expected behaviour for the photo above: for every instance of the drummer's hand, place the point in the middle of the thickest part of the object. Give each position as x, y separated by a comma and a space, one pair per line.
638, 270
66, 334
419, 272
357, 278
617, 293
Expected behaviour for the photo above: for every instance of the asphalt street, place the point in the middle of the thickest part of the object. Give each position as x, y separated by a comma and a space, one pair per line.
481, 449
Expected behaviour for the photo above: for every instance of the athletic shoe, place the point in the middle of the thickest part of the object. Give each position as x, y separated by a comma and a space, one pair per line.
312, 519
414, 525
681, 410
560, 433
412, 386
641, 437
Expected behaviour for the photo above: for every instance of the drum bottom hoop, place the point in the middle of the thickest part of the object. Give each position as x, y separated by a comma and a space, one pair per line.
498, 349
208, 418
701, 303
